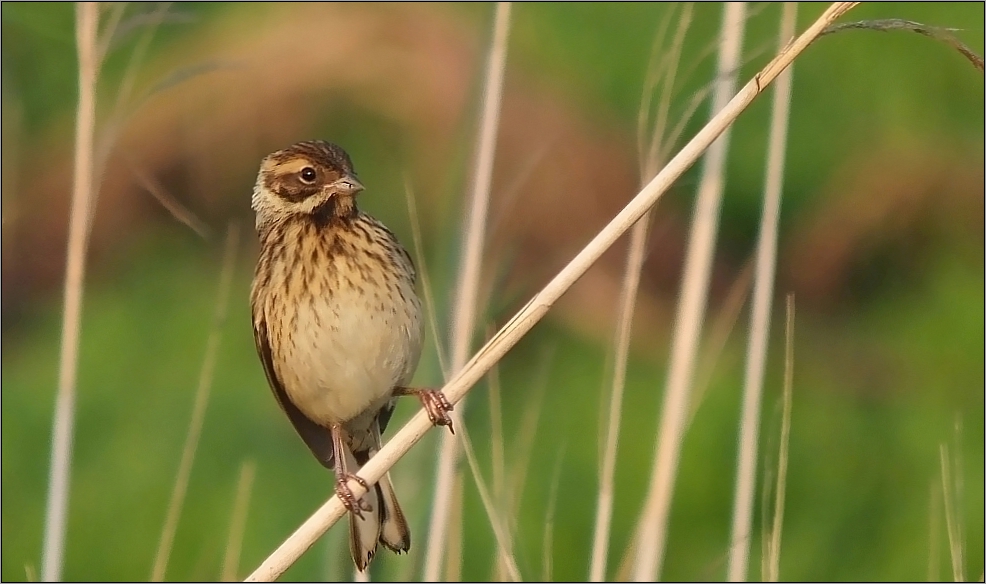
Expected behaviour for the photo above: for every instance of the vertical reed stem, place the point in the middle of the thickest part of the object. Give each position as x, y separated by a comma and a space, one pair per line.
56, 514
467, 286
652, 535
763, 289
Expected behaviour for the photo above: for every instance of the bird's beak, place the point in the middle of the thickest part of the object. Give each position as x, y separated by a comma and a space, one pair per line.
347, 185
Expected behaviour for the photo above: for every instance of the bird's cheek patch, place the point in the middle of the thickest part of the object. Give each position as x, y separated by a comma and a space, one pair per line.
292, 191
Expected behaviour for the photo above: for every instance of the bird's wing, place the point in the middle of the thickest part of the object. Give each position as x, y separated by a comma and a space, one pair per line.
318, 439
385, 413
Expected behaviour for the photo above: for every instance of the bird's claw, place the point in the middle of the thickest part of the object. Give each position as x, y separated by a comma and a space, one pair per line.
438, 406
349, 500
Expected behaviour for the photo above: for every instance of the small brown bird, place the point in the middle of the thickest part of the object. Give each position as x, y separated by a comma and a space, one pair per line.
338, 326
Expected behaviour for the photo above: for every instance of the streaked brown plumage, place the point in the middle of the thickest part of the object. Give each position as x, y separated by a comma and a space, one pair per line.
337, 325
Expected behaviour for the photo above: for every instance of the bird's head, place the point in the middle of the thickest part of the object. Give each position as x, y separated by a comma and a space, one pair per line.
313, 178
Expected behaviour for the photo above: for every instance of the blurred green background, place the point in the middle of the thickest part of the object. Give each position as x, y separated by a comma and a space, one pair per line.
881, 240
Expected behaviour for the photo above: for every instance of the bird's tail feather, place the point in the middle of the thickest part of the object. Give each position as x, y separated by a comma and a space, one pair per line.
364, 532
384, 522
394, 532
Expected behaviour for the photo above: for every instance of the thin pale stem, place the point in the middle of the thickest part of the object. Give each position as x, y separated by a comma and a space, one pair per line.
500, 531
651, 158
453, 555
548, 541
720, 329
934, 520
774, 557
111, 129
202, 393
83, 187
497, 457
763, 291
952, 521
237, 524
958, 494
525, 436
650, 163
497, 445
535, 309
467, 286
690, 313
180, 212
652, 76
419, 256
607, 490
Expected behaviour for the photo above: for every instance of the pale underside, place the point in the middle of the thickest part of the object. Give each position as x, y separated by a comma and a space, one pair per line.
335, 372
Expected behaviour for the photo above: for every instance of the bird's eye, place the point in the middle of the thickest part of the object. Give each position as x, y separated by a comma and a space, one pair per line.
308, 174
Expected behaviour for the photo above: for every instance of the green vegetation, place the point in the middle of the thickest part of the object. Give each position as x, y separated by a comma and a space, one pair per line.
886, 361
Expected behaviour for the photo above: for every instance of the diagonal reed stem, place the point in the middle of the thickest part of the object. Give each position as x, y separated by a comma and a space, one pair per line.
86, 32
518, 326
467, 286
763, 289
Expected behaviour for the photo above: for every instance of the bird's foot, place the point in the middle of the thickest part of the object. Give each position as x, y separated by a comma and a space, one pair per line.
435, 403
345, 494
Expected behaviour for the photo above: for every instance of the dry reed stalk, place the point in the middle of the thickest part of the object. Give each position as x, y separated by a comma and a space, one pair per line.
957, 545
202, 394
453, 552
651, 134
952, 516
524, 444
89, 161
237, 523
500, 531
721, 327
453, 555
512, 490
110, 27
494, 501
454, 529
171, 204
763, 291
113, 126
934, 32
419, 257
497, 445
83, 187
535, 309
498, 464
652, 534
773, 545
650, 162
467, 285
607, 488
137, 55
548, 541
934, 519
334, 559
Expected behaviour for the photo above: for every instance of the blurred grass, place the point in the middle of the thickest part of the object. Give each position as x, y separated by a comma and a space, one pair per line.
878, 383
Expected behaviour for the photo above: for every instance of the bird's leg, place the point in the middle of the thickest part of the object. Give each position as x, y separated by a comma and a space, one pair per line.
435, 403
345, 494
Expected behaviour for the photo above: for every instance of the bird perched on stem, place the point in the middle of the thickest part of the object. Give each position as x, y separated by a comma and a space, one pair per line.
337, 325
